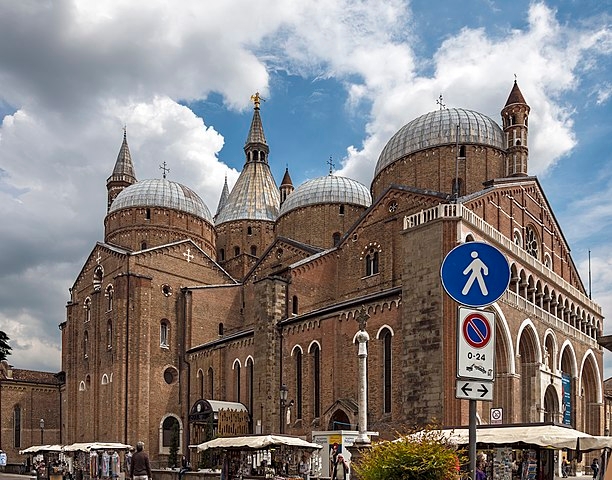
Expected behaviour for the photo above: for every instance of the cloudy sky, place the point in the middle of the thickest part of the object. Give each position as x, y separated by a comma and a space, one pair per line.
339, 78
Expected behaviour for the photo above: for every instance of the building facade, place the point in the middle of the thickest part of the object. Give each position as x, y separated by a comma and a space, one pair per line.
177, 308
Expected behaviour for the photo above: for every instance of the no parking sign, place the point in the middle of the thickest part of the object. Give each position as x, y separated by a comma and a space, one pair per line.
475, 344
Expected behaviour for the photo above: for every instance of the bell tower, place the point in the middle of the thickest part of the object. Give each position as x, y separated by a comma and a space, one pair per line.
515, 116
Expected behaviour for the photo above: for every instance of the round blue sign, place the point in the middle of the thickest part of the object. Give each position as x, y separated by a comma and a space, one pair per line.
475, 274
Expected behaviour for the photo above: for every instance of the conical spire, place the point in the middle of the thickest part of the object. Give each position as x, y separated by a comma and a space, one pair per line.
286, 186
256, 148
255, 195
123, 174
515, 95
224, 197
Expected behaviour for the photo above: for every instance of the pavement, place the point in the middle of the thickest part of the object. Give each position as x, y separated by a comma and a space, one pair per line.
15, 476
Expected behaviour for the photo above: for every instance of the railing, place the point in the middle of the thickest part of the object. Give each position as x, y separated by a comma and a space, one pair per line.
457, 210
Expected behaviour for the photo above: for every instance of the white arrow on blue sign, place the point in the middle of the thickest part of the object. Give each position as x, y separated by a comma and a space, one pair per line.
475, 274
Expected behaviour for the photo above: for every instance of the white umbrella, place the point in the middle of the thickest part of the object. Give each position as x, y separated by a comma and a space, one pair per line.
256, 442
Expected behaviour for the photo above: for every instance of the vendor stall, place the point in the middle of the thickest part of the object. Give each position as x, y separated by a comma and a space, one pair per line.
264, 456
97, 460
47, 460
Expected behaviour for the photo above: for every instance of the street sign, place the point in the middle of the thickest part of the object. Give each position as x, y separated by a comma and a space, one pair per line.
475, 274
475, 344
497, 416
474, 390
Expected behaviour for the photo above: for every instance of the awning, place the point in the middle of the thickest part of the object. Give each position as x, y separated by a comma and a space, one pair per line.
255, 442
551, 436
88, 446
40, 449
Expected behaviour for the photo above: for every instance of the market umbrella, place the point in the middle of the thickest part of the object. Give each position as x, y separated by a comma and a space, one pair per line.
255, 442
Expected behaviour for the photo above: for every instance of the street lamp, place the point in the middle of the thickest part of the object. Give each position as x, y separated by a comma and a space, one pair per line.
283, 404
42, 430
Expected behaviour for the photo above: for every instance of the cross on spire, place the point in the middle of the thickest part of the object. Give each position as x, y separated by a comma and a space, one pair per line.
362, 318
440, 102
331, 164
164, 169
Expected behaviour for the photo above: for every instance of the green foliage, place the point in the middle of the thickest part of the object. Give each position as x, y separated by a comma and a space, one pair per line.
174, 445
5, 348
422, 456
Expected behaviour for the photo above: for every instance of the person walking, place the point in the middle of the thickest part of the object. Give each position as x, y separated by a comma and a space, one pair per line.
140, 466
595, 467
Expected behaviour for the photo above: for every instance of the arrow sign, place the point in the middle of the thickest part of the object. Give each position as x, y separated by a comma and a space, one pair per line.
474, 390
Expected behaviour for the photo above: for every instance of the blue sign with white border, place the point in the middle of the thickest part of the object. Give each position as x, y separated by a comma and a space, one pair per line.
475, 274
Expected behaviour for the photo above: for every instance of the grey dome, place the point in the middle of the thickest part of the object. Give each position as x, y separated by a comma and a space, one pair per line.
161, 192
327, 189
440, 128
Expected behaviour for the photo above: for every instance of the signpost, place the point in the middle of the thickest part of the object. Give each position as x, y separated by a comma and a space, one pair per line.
475, 274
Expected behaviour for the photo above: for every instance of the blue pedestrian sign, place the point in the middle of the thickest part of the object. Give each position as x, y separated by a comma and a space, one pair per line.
475, 274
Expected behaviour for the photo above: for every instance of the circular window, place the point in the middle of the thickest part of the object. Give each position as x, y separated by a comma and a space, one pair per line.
279, 253
531, 242
170, 375
393, 207
166, 290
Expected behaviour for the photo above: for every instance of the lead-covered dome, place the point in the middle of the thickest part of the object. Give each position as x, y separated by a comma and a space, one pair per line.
327, 189
161, 192
440, 128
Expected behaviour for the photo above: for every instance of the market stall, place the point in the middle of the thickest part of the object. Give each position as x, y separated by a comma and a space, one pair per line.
265, 456
527, 452
46, 460
97, 460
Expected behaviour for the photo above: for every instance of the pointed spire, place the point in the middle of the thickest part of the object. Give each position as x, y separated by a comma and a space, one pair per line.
223, 198
256, 148
515, 95
123, 174
286, 186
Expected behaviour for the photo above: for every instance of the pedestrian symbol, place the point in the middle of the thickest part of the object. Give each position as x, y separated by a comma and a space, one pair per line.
475, 274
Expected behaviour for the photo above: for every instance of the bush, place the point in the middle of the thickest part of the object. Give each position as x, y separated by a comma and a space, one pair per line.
423, 456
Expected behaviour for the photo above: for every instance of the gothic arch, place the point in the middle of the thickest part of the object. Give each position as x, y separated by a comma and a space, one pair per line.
549, 354
591, 396
528, 366
312, 344
384, 327
552, 411
296, 348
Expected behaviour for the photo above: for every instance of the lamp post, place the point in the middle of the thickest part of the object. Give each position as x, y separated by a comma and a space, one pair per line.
42, 430
283, 404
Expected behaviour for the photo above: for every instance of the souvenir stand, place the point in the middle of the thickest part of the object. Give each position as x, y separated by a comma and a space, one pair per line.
97, 460
264, 456
47, 461
525, 452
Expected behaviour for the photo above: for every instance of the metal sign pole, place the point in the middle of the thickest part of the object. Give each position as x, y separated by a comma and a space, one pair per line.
472, 438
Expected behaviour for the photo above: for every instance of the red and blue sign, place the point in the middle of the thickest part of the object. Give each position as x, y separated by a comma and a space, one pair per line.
475, 274
476, 330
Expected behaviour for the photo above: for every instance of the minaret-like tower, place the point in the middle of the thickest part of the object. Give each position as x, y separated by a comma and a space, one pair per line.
286, 186
123, 174
223, 198
515, 116
245, 223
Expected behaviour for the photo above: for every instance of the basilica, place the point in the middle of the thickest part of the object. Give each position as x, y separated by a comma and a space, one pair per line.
180, 317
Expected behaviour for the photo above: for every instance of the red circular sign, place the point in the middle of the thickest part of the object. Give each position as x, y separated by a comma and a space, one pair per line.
476, 330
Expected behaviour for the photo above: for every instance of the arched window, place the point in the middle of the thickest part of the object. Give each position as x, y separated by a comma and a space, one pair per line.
547, 261
341, 210
86, 344
143, 245
109, 298
294, 305
170, 432
462, 151
249, 378
148, 214
336, 239
87, 307
17, 426
98, 277
209, 384
222, 254
164, 334
109, 334
237, 381
220, 328
316, 379
386, 338
201, 383
531, 242
254, 250
371, 260
236, 251
517, 237
249, 231
298, 382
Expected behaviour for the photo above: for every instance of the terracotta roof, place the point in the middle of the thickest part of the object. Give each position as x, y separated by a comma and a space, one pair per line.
515, 95
33, 376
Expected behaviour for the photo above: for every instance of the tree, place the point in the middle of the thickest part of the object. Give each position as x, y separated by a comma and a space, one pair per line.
423, 456
174, 446
5, 348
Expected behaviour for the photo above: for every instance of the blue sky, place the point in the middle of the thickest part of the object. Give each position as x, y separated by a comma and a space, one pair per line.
339, 78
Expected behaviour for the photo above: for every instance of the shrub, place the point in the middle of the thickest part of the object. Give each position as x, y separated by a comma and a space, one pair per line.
426, 455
